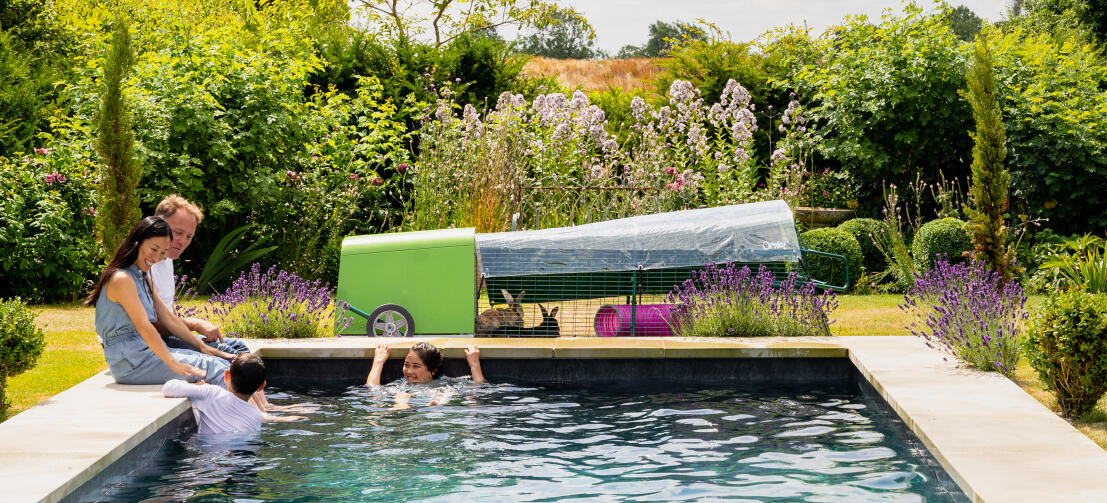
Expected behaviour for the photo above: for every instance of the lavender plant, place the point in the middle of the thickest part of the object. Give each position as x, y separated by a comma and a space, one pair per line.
967, 310
733, 302
275, 305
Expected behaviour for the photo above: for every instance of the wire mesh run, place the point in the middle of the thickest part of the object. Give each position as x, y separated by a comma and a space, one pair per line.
607, 303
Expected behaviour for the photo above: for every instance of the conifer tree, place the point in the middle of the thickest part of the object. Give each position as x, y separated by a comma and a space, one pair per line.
119, 171
988, 194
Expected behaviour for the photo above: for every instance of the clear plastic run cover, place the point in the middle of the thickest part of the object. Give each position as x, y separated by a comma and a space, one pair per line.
755, 232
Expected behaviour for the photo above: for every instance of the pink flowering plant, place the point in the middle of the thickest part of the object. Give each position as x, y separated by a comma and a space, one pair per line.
274, 305
47, 218
966, 310
731, 301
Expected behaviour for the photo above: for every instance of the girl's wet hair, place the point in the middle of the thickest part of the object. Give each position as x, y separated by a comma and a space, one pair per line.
431, 356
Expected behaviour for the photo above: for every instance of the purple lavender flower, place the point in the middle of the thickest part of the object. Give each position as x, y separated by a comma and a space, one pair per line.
968, 311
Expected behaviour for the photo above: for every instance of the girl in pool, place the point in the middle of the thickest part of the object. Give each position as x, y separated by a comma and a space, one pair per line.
422, 363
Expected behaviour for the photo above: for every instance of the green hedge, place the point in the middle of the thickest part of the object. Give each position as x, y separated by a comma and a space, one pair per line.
21, 343
1067, 344
831, 240
863, 230
945, 237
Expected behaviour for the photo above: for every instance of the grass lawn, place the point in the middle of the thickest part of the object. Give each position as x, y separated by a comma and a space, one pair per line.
73, 355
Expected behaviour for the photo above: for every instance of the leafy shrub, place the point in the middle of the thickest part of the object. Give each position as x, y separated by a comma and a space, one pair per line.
968, 311
942, 238
1066, 344
865, 231
839, 242
1077, 263
1055, 116
46, 222
884, 95
732, 302
274, 305
21, 343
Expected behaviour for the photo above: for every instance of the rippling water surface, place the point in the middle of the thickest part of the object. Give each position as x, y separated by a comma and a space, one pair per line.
511, 443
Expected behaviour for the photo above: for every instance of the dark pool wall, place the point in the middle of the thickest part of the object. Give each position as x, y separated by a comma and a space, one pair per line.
587, 371
146, 452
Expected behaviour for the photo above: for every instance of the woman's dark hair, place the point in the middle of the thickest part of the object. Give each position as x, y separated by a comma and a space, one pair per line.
432, 358
149, 227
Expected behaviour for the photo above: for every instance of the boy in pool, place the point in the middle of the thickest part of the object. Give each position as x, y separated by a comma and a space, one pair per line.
422, 363
221, 410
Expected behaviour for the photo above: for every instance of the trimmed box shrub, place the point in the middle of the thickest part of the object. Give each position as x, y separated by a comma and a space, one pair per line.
832, 240
21, 343
863, 230
1066, 344
945, 237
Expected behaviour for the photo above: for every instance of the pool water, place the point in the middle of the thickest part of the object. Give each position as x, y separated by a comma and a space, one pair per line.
499, 442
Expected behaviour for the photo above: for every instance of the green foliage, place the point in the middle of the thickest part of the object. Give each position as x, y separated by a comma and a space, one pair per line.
120, 172
884, 97
21, 343
1063, 19
990, 179
1055, 116
346, 180
836, 241
486, 68
46, 220
615, 103
226, 258
567, 37
943, 238
1077, 263
866, 231
33, 56
963, 22
1066, 344
663, 38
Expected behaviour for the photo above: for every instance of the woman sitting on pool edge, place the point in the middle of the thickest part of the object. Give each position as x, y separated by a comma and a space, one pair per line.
422, 363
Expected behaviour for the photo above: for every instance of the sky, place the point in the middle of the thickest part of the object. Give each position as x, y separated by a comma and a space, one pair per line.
621, 22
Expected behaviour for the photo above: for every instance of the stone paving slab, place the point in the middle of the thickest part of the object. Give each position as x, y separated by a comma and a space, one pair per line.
49, 450
998, 443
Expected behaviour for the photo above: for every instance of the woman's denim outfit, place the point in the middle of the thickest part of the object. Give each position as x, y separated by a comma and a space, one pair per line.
130, 360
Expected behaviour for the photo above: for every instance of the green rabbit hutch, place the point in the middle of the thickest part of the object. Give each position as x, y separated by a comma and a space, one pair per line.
605, 278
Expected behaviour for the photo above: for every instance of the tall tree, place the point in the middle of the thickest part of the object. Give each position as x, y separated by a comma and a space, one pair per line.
990, 178
663, 37
446, 20
120, 172
567, 37
964, 22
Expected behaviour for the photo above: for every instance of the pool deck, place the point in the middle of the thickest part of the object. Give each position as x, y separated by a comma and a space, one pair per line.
998, 443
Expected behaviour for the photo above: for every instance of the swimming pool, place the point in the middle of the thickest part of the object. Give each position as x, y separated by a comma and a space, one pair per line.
656, 441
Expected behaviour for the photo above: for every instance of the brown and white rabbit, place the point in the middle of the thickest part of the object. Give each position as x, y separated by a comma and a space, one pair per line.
498, 317
548, 328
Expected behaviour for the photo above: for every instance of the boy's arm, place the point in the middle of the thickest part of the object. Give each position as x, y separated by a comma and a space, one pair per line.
176, 388
472, 355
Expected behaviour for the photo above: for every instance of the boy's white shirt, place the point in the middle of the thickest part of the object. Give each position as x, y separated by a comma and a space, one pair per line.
216, 409
162, 274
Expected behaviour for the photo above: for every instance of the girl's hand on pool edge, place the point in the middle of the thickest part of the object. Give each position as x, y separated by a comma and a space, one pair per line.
381, 354
472, 354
